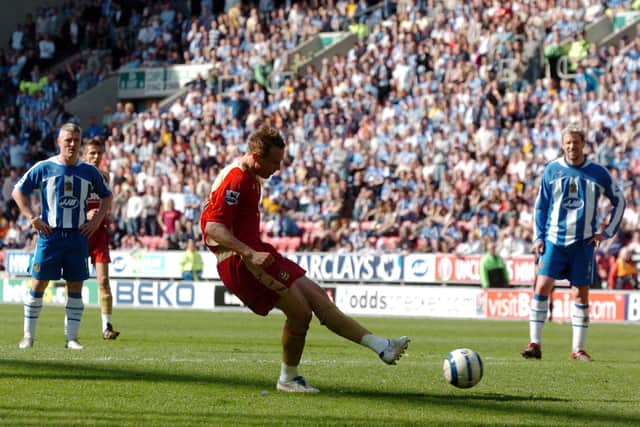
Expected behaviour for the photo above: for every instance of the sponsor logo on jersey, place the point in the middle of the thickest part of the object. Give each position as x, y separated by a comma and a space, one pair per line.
231, 197
573, 203
69, 202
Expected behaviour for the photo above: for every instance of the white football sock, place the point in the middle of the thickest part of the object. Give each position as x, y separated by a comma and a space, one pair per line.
32, 307
580, 323
375, 343
106, 318
73, 315
287, 373
539, 308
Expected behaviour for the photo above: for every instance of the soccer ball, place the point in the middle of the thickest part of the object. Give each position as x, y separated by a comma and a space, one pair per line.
463, 368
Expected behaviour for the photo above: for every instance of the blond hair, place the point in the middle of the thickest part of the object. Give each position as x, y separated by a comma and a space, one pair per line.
574, 128
71, 128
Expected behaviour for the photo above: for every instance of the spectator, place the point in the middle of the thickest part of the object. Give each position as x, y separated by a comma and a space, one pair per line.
285, 225
94, 129
134, 211
168, 218
191, 264
626, 272
493, 271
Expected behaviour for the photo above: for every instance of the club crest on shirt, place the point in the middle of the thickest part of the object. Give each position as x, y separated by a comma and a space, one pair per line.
231, 197
284, 275
573, 188
68, 186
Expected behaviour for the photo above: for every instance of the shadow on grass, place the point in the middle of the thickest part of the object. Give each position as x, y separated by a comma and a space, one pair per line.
502, 403
210, 417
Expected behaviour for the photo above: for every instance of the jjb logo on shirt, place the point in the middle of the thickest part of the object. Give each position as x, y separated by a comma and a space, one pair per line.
231, 197
573, 201
68, 200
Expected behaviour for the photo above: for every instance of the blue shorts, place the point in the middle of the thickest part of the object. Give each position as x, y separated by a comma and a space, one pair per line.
575, 263
63, 253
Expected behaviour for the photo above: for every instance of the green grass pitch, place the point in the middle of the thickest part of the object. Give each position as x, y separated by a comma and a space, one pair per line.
219, 368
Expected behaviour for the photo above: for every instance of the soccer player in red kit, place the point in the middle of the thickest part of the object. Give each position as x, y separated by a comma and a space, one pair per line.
262, 278
99, 244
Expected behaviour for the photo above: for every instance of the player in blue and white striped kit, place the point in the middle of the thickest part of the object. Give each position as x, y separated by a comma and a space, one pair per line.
566, 235
65, 184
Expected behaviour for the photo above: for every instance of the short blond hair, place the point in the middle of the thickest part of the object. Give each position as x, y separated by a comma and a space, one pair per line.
71, 128
574, 128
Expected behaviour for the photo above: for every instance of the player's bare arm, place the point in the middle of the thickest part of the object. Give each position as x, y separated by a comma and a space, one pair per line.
597, 238
25, 208
537, 247
89, 227
222, 236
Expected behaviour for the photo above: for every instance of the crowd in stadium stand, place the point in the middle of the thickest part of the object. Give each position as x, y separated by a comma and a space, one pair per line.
428, 136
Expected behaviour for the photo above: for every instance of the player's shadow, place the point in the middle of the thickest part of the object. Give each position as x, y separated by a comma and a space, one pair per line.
490, 402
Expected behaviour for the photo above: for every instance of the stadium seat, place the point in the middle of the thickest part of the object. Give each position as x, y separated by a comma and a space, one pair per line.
147, 241
294, 244
390, 242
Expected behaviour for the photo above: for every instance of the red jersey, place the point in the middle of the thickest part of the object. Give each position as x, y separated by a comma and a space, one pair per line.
234, 201
93, 202
99, 240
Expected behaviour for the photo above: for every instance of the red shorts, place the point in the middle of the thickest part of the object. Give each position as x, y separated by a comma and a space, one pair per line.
259, 289
99, 246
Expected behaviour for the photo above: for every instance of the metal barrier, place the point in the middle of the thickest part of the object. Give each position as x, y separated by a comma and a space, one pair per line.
562, 68
277, 80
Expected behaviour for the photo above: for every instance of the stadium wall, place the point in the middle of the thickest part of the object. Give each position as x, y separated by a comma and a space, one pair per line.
324, 267
92, 102
459, 302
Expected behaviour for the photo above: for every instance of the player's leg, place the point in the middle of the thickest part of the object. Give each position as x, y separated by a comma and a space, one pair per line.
580, 322
537, 316
75, 270
44, 266
106, 301
73, 314
581, 276
389, 350
32, 308
294, 332
261, 291
551, 265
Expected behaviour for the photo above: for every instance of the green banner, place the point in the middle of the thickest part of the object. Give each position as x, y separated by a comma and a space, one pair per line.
158, 82
14, 290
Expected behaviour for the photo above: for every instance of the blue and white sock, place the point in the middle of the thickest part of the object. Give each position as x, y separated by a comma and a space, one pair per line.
580, 323
32, 307
73, 310
539, 308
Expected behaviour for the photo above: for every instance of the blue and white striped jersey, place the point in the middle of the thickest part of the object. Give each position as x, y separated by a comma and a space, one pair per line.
567, 203
64, 190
